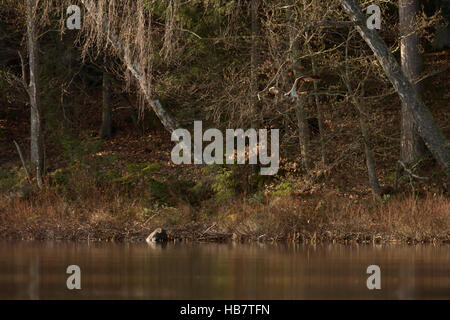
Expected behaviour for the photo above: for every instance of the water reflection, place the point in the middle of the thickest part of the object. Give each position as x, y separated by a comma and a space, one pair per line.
221, 271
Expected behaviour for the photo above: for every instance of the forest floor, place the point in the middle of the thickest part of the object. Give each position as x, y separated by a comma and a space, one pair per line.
123, 188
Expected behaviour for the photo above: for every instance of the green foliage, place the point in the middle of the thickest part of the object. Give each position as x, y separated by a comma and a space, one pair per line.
107, 160
152, 167
141, 169
11, 177
61, 176
256, 197
226, 184
229, 180
138, 172
390, 177
136, 168
76, 150
200, 192
386, 198
111, 175
159, 190
284, 188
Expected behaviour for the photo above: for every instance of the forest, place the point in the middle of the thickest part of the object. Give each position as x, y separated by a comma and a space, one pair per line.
93, 95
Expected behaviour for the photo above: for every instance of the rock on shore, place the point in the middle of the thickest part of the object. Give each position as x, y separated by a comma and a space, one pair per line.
159, 235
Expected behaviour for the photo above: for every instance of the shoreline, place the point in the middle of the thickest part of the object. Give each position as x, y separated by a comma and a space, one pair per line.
196, 236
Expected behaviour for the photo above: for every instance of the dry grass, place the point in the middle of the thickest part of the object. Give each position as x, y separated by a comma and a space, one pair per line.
340, 219
107, 213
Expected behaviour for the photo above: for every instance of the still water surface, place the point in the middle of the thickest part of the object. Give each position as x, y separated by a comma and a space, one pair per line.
30, 270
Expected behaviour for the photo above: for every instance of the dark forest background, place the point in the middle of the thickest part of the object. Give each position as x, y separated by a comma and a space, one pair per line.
352, 165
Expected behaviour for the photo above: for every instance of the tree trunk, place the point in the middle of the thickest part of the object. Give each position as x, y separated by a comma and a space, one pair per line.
412, 145
319, 116
254, 61
168, 122
300, 103
303, 133
66, 102
430, 133
36, 146
134, 115
370, 162
106, 128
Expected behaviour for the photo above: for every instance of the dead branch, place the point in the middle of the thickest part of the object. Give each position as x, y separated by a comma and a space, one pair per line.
23, 161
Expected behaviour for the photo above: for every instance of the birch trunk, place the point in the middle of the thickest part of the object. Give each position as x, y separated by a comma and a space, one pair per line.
36, 145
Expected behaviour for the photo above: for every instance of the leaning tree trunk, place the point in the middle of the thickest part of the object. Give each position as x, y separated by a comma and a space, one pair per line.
133, 66
412, 145
426, 127
37, 145
106, 128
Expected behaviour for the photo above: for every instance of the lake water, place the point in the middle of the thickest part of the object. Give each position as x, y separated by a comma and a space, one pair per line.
31, 270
